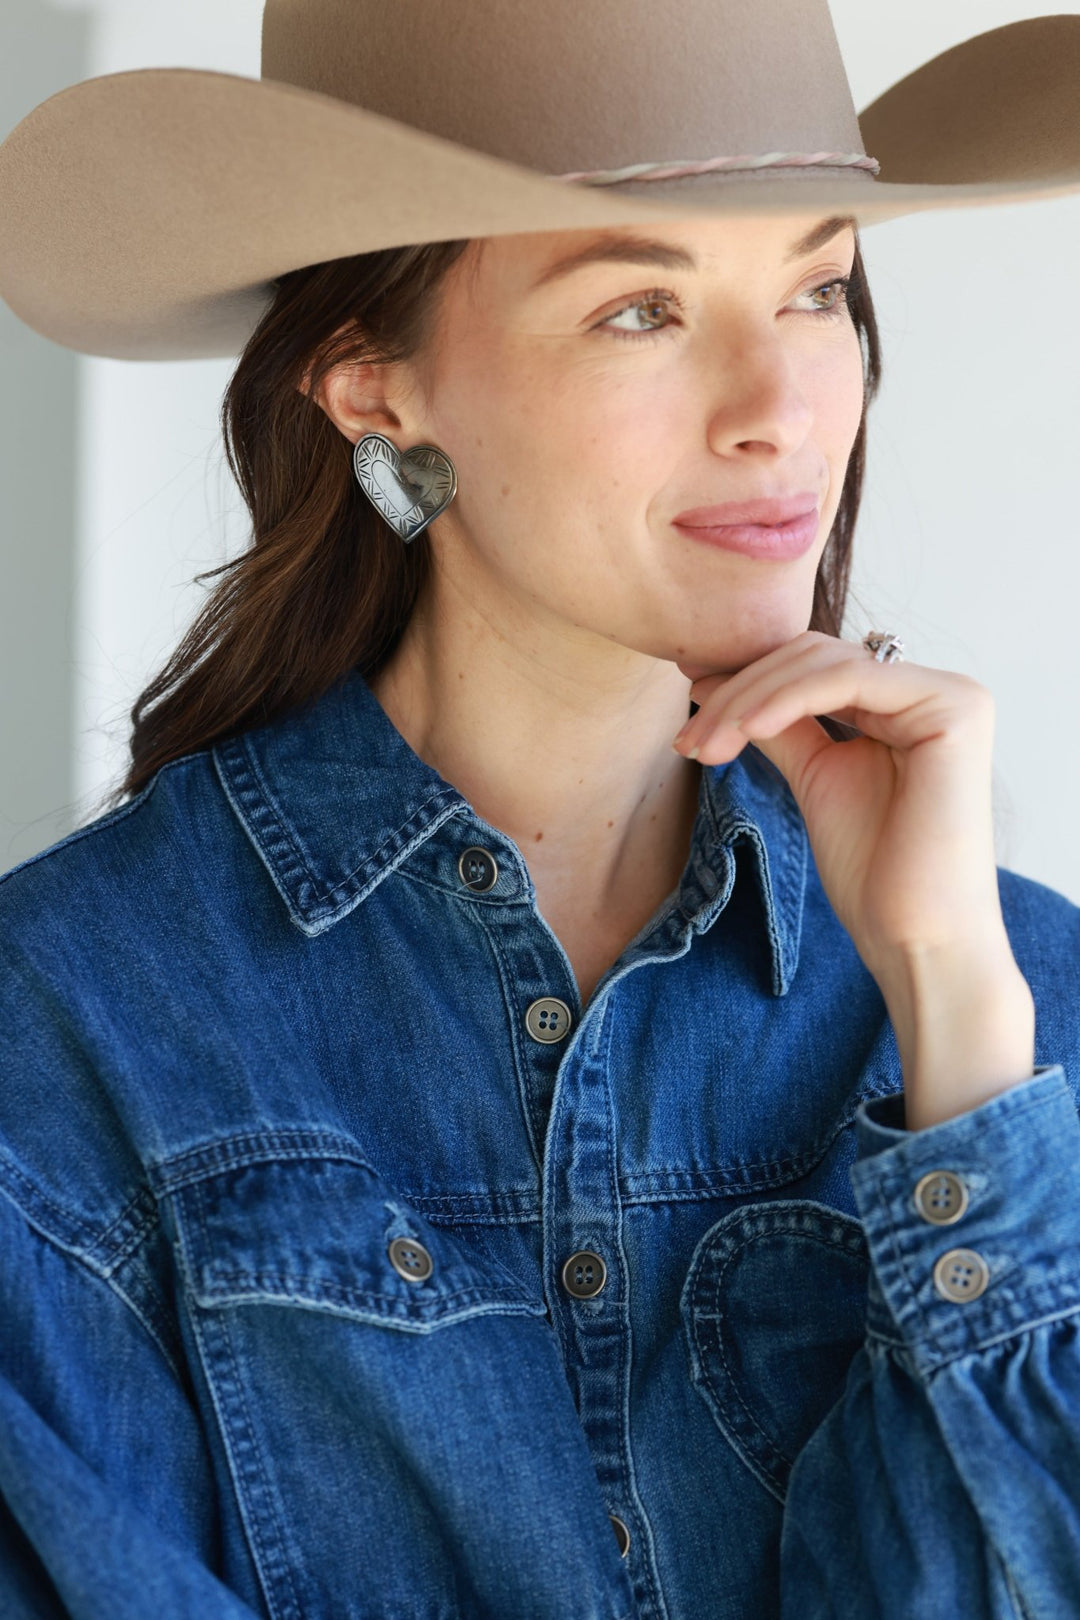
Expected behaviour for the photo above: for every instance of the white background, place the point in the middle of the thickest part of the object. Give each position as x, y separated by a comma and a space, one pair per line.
969, 537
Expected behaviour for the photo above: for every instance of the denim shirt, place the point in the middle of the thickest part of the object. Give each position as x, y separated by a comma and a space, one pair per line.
352, 1268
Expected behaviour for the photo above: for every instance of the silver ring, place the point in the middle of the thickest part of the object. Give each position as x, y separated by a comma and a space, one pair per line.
886, 648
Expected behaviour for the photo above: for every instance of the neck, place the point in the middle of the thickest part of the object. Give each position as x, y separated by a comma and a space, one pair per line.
562, 744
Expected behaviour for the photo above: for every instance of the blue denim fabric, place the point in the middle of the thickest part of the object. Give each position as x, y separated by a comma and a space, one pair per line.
255, 1026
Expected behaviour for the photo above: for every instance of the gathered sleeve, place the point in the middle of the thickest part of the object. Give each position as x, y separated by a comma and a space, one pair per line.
946, 1479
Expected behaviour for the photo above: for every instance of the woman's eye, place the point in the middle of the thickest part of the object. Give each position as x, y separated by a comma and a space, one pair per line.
839, 296
653, 302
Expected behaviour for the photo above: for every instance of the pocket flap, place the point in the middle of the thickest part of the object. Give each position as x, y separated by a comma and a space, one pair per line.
316, 1231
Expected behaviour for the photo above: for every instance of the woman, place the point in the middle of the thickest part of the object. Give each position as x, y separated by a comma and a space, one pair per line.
453, 1110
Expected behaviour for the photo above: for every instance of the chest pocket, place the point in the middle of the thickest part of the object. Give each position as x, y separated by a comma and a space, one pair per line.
378, 1428
774, 1310
324, 1232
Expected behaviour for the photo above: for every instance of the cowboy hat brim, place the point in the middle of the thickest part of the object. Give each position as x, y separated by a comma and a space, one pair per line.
144, 214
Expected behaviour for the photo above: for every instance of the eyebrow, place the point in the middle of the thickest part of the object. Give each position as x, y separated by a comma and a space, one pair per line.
669, 256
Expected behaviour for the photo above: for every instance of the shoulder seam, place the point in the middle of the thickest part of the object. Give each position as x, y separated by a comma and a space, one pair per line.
102, 1273
110, 819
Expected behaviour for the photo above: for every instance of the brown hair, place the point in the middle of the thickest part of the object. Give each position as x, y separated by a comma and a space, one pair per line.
327, 586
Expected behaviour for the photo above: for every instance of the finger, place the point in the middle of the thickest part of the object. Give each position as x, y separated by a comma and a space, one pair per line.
899, 706
764, 674
756, 684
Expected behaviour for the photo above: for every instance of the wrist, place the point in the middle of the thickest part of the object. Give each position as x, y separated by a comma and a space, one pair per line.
964, 1021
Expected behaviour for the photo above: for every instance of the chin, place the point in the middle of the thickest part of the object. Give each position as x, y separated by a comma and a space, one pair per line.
731, 650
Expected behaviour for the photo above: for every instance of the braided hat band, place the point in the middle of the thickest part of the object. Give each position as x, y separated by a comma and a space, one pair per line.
768, 160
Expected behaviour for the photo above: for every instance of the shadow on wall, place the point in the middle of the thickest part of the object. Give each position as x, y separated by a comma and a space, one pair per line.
43, 48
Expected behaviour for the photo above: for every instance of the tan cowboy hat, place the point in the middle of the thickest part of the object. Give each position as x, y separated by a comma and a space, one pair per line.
144, 214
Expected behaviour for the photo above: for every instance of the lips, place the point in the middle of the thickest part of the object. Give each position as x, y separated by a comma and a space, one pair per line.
778, 509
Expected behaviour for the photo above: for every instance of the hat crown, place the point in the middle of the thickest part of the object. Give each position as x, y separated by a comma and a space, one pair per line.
578, 84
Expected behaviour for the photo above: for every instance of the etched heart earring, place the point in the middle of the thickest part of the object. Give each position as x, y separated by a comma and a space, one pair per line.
407, 488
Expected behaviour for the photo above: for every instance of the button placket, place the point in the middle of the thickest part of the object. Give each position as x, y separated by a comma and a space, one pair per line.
548, 1019
586, 1285
584, 1274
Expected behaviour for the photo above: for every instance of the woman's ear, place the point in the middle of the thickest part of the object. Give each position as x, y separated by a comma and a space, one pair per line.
354, 396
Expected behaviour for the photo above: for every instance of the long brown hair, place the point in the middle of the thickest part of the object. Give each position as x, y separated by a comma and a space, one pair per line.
327, 586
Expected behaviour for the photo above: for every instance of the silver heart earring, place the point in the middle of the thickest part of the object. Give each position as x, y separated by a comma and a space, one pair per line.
407, 488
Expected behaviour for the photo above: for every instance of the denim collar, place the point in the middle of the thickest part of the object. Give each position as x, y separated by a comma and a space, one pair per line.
334, 798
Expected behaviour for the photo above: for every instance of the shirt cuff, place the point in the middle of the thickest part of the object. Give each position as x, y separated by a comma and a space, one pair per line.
972, 1224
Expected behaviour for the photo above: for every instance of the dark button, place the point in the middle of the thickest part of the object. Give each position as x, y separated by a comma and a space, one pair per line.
960, 1275
940, 1197
584, 1274
478, 869
622, 1534
410, 1259
547, 1019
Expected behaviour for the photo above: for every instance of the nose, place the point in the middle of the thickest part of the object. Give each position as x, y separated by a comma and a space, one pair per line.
758, 402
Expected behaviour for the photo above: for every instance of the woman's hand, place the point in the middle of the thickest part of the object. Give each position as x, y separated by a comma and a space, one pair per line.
899, 820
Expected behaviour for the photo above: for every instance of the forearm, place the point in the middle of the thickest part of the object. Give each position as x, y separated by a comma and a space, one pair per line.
964, 1020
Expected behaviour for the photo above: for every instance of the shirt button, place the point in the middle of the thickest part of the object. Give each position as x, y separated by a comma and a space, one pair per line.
478, 869
410, 1259
941, 1197
547, 1019
584, 1274
961, 1274
622, 1534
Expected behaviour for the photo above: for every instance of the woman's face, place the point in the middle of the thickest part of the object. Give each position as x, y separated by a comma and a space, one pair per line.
586, 410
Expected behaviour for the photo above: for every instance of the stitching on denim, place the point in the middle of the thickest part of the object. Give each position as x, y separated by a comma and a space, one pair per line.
252, 1520
255, 816
787, 1224
945, 1360
260, 806
783, 1170
898, 1258
458, 891
887, 1191
533, 1126
521, 1201
402, 841
624, 1338
79, 1258
302, 1288
154, 1322
223, 1154
1013, 1103
139, 1216
791, 849
219, 1158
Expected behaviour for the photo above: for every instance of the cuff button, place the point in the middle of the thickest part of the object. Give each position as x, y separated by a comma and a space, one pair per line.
961, 1275
941, 1197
